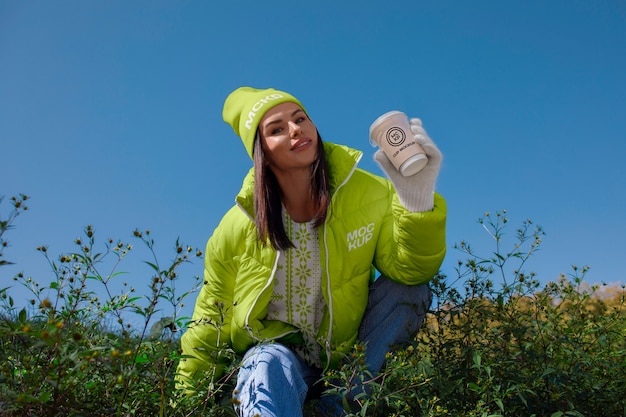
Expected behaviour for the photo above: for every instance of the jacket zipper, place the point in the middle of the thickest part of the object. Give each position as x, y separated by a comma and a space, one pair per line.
327, 268
267, 284
328, 291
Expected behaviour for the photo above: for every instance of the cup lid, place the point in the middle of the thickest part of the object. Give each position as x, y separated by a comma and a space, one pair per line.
379, 120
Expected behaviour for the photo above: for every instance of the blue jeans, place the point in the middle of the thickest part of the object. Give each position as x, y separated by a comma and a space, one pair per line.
273, 381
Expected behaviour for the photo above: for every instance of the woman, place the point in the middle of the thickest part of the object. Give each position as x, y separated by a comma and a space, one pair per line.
289, 271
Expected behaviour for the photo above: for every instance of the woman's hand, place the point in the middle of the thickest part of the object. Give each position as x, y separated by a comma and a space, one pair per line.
416, 192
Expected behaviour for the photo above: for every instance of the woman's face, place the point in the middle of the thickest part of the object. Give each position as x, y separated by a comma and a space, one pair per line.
289, 138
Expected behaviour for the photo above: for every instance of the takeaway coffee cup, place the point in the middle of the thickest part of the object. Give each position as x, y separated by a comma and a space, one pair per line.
391, 132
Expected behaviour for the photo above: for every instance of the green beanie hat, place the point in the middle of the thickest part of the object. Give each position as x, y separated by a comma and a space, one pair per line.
245, 107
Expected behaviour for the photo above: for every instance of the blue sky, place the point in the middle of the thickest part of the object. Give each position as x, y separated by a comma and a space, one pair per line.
110, 113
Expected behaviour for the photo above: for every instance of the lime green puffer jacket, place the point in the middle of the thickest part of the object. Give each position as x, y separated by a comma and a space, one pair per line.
366, 228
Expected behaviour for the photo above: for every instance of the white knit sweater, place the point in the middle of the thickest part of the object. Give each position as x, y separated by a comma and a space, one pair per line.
297, 297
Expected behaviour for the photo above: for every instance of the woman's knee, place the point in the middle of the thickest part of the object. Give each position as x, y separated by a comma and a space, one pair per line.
267, 354
418, 295
270, 371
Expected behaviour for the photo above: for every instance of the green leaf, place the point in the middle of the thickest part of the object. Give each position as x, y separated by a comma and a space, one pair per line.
22, 315
44, 397
500, 300
548, 371
143, 358
153, 266
476, 358
498, 401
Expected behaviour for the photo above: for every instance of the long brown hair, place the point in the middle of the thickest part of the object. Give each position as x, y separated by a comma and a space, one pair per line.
268, 202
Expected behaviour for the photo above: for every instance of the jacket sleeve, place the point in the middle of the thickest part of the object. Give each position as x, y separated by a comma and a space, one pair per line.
206, 342
412, 246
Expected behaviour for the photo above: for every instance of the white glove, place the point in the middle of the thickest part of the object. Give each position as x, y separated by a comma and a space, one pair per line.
416, 192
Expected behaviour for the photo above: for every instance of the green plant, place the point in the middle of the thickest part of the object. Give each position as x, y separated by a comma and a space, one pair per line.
495, 343
19, 206
77, 348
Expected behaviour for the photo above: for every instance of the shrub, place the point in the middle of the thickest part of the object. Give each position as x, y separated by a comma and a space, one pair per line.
76, 348
495, 343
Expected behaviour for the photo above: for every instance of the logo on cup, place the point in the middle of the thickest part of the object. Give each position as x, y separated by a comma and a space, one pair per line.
396, 136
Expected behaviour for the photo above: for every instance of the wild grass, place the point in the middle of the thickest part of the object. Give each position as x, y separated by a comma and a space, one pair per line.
496, 341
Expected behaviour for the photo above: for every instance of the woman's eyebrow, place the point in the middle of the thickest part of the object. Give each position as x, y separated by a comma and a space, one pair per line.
273, 122
280, 120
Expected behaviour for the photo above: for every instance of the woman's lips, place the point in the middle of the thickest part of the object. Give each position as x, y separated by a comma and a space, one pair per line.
301, 144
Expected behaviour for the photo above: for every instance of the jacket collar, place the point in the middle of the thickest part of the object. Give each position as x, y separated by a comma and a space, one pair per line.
341, 161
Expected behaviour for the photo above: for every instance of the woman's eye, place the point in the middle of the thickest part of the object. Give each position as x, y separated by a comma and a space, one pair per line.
300, 120
277, 130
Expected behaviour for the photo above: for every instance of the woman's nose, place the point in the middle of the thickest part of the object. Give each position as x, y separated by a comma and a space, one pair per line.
294, 129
